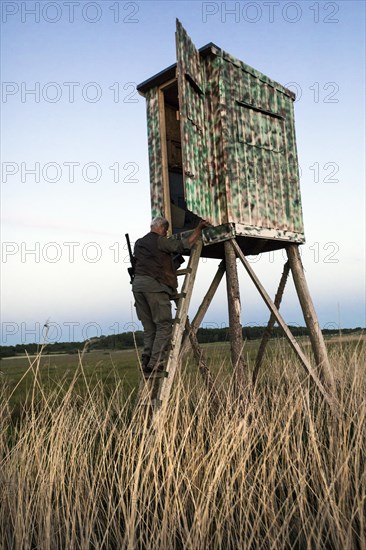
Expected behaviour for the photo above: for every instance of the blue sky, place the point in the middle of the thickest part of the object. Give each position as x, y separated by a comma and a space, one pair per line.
75, 165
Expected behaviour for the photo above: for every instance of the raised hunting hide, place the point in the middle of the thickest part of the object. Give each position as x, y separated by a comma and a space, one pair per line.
222, 147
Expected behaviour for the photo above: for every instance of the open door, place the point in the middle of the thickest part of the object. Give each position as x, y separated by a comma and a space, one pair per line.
194, 138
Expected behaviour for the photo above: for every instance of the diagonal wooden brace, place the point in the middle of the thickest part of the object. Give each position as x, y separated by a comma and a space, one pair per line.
331, 400
201, 312
267, 333
203, 368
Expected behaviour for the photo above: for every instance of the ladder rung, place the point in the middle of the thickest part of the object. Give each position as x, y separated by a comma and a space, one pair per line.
184, 271
159, 374
180, 295
154, 375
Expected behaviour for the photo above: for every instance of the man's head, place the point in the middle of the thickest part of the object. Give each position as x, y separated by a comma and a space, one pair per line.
160, 226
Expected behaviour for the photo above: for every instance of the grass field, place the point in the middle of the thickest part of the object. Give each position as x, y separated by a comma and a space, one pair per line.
272, 468
98, 367
109, 368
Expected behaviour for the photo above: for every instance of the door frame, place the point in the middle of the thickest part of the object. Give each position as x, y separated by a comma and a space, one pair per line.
164, 153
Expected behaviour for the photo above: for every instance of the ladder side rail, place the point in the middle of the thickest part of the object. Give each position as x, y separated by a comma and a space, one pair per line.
179, 324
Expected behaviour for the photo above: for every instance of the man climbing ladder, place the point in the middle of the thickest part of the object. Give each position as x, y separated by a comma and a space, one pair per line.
154, 285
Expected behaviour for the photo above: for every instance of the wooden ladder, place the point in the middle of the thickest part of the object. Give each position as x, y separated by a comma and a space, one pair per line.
158, 385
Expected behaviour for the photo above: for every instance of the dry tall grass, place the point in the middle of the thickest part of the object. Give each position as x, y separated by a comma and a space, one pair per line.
274, 470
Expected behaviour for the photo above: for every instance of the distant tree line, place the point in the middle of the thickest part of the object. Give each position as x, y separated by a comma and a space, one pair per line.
126, 340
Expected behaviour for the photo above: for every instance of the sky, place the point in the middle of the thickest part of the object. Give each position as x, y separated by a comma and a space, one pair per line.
74, 157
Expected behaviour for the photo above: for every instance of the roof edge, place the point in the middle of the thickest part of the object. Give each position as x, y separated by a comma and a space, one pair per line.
205, 51
169, 72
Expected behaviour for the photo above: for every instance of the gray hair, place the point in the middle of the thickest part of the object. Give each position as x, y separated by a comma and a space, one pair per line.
158, 221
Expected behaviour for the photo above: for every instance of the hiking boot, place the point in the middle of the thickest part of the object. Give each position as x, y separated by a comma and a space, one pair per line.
153, 369
145, 359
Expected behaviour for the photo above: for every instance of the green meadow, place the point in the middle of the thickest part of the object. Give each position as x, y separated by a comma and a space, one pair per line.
108, 368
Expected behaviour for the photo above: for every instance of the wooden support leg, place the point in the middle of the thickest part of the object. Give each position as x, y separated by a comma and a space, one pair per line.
311, 320
329, 396
271, 322
233, 294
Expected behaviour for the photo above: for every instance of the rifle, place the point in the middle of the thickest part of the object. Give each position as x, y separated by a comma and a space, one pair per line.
131, 270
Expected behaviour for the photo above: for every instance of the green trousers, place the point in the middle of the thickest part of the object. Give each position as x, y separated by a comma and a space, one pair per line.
155, 313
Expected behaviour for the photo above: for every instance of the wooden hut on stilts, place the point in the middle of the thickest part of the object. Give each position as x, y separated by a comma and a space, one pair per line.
222, 147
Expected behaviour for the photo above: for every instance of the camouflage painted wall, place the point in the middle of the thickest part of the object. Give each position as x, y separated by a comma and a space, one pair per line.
262, 180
